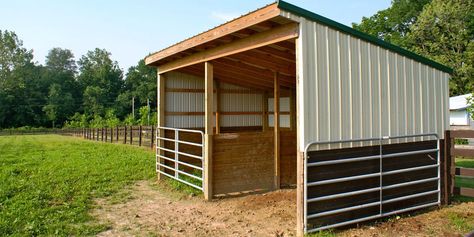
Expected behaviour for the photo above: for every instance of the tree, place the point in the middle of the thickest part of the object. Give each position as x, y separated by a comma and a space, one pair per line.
64, 97
141, 83
101, 80
60, 105
20, 91
443, 33
393, 23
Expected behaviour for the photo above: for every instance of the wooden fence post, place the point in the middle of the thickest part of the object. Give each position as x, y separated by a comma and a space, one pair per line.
152, 142
116, 134
105, 139
131, 135
446, 168
102, 134
140, 136
125, 135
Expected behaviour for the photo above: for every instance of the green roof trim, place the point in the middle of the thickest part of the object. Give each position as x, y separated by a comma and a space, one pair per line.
358, 34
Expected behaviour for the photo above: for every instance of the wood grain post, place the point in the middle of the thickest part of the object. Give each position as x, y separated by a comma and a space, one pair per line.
218, 111
116, 134
102, 134
292, 110
131, 135
161, 108
152, 134
446, 168
208, 137
140, 136
105, 137
125, 134
276, 130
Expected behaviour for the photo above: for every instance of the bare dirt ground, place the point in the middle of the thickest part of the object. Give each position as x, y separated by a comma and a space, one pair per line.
156, 210
152, 212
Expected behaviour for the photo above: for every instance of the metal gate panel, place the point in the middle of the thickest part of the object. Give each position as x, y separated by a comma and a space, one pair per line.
371, 182
179, 169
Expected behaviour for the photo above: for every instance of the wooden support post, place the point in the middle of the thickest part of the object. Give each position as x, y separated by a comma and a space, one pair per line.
292, 110
300, 156
131, 135
218, 102
102, 134
105, 137
140, 136
276, 129
111, 135
208, 137
161, 103
265, 111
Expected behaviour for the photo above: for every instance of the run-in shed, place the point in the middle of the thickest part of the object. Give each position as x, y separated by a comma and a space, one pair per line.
282, 96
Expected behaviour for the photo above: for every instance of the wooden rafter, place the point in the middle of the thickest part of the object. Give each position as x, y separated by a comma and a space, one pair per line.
240, 23
278, 34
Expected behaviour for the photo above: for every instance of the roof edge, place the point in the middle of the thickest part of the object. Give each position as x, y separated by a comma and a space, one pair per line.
358, 34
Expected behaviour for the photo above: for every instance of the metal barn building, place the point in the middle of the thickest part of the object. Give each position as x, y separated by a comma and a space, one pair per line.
284, 97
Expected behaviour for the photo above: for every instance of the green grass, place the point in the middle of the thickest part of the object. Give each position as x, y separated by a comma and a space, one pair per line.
466, 163
460, 222
464, 182
48, 182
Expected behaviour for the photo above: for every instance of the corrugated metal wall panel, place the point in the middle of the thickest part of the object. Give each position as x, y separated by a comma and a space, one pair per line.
251, 101
350, 88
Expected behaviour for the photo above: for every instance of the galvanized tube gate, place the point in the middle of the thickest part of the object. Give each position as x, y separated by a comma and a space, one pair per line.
180, 169
379, 192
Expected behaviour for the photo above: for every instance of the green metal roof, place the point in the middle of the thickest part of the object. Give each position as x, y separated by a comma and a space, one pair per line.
358, 34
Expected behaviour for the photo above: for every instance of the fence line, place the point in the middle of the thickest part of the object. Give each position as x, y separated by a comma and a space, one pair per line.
143, 136
465, 151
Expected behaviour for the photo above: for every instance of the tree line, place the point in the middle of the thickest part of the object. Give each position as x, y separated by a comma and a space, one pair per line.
94, 91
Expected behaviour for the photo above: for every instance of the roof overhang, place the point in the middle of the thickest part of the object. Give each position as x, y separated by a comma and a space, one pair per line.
258, 42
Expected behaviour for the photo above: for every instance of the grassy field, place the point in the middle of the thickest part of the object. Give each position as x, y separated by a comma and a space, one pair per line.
462, 181
48, 182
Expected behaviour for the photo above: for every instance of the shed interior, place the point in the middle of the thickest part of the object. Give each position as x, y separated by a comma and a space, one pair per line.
250, 67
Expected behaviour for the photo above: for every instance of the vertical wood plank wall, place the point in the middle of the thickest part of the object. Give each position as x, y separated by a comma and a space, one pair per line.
243, 162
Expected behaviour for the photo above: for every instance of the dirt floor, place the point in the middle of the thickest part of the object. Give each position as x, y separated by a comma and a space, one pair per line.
152, 212
155, 210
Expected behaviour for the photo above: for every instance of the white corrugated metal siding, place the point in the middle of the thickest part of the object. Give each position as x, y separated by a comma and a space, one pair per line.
350, 89
249, 101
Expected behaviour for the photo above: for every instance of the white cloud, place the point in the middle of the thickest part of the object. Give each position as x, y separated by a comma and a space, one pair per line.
224, 16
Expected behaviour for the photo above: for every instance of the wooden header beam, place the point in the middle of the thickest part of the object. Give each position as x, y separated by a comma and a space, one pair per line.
277, 34
255, 17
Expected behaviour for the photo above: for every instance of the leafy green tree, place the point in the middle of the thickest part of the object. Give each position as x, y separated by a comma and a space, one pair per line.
20, 84
145, 115
129, 120
443, 34
393, 24
111, 119
95, 100
140, 82
77, 121
101, 80
97, 122
60, 105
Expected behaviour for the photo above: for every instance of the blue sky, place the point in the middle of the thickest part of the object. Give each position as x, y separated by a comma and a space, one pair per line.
132, 29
